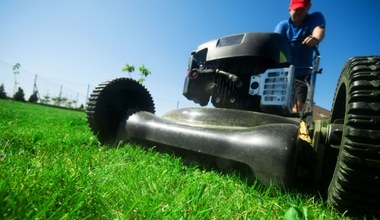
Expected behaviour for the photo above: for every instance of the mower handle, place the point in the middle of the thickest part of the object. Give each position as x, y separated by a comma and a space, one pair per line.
307, 111
315, 48
316, 51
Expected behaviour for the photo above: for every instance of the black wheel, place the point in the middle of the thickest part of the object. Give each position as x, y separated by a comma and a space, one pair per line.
355, 182
111, 102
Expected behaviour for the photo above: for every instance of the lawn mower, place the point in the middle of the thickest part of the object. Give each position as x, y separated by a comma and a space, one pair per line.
249, 79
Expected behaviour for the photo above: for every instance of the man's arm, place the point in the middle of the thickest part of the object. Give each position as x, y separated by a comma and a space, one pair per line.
319, 33
316, 37
281, 28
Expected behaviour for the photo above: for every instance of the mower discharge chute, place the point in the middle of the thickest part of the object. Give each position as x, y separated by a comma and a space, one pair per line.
249, 78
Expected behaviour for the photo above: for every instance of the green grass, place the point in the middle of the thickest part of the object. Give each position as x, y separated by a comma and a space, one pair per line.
52, 167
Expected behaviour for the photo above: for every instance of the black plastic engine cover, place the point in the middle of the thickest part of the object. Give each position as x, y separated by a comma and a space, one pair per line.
243, 55
270, 46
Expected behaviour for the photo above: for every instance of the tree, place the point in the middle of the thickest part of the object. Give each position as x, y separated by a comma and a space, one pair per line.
33, 98
45, 99
144, 72
68, 103
59, 100
81, 107
129, 69
74, 102
19, 95
3, 94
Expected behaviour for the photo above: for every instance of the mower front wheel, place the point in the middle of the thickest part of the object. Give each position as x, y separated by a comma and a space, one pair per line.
113, 101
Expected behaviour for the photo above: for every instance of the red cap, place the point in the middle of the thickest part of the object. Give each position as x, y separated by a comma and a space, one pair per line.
295, 4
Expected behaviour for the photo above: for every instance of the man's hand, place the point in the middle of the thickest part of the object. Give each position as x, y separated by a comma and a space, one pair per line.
315, 37
310, 41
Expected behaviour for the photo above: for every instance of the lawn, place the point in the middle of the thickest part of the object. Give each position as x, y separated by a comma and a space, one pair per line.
53, 167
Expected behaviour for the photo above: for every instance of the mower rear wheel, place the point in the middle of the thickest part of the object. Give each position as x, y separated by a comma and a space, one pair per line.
113, 101
355, 183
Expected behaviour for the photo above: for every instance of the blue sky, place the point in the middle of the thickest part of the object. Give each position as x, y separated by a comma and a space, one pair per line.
80, 43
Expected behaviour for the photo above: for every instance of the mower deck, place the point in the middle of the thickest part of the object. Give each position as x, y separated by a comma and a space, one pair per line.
264, 142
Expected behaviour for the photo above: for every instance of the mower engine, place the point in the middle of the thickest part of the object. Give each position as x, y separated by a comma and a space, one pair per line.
248, 71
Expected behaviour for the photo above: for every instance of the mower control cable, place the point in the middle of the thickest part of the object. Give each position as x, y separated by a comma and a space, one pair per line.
232, 77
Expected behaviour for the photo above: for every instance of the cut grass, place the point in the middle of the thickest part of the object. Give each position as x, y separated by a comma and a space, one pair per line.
52, 167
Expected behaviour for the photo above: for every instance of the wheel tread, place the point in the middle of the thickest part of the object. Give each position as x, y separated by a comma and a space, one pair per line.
356, 182
110, 101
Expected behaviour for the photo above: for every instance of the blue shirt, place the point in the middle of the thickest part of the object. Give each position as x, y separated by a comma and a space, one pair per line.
302, 55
